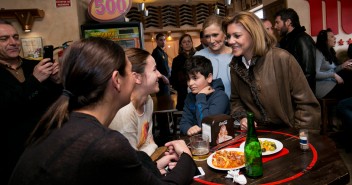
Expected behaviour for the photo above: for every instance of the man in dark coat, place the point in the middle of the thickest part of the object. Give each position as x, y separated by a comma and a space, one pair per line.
27, 89
162, 64
296, 41
203, 42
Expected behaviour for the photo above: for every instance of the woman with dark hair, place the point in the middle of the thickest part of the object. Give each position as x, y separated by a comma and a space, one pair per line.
72, 143
178, 77
332, 80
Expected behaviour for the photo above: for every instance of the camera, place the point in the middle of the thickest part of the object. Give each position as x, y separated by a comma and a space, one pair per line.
48, 52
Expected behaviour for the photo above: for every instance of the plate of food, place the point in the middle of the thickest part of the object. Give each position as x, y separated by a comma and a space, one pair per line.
227, 159
269, 146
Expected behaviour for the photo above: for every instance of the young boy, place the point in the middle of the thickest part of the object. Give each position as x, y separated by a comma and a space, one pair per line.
207, 96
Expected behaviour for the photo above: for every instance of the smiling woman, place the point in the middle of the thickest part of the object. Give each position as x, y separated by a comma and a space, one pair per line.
138, 113
286, 100
217, 52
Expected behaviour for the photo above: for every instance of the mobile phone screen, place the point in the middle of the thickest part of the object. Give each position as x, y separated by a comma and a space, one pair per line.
48, 52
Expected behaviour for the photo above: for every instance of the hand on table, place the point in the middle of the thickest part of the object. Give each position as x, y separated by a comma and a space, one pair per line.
194, 130
243, 124
167, 161
178, 147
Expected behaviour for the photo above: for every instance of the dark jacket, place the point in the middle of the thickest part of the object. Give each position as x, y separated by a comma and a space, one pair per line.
200, 47
162, 65
302, 47
178, 79
199, 106
275, 90
84, 152
21, 106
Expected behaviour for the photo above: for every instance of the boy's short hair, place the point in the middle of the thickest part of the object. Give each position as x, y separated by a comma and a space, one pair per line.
199, 64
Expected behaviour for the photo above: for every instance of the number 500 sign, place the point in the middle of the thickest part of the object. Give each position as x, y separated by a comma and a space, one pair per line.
108, 10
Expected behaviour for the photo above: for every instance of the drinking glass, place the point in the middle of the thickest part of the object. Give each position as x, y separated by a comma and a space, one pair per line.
199, 144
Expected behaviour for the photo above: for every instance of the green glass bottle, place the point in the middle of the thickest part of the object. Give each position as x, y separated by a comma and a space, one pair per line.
252, 150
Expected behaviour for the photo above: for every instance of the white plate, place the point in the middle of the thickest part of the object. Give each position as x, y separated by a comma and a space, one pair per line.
278, 144
209, 159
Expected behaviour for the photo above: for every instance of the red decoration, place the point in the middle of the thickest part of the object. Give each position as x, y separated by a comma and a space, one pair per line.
331, 9
316, 16
340, 42
349, 41
346, 14
331, 15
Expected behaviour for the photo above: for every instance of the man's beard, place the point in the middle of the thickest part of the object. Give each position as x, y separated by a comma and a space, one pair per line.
283, 31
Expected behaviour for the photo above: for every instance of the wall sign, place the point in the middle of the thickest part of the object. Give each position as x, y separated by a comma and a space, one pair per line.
108, 10
63, 3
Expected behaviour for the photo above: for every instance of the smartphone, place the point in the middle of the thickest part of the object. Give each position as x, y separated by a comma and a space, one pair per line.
200, 172
48, 52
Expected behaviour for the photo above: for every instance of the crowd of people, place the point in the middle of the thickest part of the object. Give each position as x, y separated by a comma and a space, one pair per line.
88, 118
72, 143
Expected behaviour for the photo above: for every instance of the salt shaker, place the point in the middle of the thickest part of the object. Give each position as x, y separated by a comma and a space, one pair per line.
303, 139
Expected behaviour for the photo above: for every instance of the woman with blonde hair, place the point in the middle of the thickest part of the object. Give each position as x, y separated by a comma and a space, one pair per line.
217, 52
267, 80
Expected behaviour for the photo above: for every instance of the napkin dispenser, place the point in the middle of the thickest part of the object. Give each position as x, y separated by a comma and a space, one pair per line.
219, 128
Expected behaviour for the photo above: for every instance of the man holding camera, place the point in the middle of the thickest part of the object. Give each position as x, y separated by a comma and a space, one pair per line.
27, 89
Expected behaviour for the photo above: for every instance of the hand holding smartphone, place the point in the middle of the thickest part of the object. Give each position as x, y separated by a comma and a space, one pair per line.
48, 52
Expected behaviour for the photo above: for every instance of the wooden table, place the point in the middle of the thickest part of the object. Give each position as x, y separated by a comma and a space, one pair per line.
322, 164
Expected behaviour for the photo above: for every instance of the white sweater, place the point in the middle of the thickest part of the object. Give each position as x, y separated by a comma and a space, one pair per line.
136, 128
